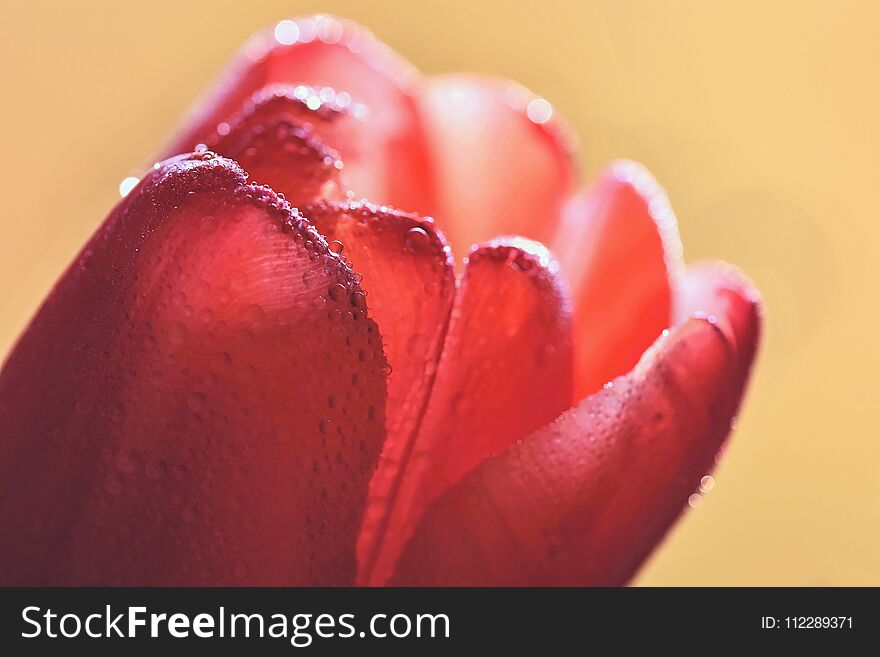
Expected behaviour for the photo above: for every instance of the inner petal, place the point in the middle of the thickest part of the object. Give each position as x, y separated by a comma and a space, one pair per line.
286, 156
502, 162
193, 404
345, 67
505, 370
618, 244
585, 499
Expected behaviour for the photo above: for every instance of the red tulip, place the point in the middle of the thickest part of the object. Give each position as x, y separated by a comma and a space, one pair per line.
212, 395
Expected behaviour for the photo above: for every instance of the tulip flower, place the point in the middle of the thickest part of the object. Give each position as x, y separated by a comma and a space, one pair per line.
249, 375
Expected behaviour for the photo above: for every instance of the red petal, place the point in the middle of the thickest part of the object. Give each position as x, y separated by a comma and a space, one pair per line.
385, 155
285, 156
725, 295
197, 402
505, 371
585, 499
407, 273
618, 243
502, 166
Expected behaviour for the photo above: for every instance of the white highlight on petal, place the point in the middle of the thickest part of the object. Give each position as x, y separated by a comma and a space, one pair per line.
539, 111
707, 483
128, 183
308, 29
661, 211
330, 30
286, 32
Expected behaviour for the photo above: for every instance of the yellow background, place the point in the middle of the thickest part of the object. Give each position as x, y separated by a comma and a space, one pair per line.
760, 119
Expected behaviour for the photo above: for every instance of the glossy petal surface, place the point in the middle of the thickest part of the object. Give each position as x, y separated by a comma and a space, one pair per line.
584, 500
501, 162
410, 284
285, 155
619, 247
505, 371
194, 403
340, 64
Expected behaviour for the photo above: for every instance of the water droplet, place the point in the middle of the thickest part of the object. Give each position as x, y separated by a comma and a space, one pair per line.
336, 247
359, 300
416, 239
286, 32
114, 484
539, 111
156, 469
336, 291
707, 483
695, 500
128, 183
127, 461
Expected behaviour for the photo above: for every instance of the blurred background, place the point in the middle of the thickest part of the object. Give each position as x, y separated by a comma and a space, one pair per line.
759, 118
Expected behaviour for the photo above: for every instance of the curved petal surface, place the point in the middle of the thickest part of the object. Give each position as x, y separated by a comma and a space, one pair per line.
285, 156
502, 163
505, 370
337, 63
410, 284
193, 404
618, 244
585, 499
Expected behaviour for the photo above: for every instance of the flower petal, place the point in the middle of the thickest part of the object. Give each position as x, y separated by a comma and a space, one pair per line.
410, 284
584, 500
724, 294
618, 244
502, 165
194, 403
505, 370
287, 157
385, 152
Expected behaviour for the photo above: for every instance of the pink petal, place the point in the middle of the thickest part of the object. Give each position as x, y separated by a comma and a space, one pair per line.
286, 156
410, 284
196, 402
344, 66
505, 371
585, 499
502, 164
618, 244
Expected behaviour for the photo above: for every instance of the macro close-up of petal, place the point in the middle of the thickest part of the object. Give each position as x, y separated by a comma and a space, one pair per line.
374, 122
365, 326
583, 500
200, 358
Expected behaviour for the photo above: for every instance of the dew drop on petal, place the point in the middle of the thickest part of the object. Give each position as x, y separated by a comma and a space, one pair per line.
126, 461
416, 239
114, 484
336, 291
286, 32
539, 111
128, 183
